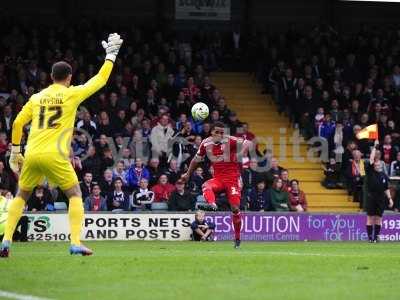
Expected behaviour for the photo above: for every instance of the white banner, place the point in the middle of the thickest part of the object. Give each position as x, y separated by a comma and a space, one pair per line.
203, 10
55, 227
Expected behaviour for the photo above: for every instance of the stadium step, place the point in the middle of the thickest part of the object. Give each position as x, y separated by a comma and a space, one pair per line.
243, 95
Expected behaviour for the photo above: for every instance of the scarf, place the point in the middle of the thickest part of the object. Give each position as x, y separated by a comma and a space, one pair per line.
357, 168
338, 140
96, 203
296, 196
386, 153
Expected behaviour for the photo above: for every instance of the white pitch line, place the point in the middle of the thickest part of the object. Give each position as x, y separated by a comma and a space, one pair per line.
11, 295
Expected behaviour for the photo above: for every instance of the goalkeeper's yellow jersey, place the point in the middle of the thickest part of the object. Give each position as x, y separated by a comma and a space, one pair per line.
53, 112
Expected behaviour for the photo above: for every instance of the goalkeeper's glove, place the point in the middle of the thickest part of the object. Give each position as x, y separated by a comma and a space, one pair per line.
16, 158
112, 46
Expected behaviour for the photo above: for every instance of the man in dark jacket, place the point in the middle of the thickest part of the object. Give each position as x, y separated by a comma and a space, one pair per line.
180, 199
86, 185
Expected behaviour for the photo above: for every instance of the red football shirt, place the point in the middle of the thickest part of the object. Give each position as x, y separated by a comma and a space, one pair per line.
223, 157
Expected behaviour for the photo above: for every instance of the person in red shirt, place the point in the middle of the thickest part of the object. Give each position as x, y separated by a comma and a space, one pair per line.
191, 91
163, 189
297, 198
244, 132
224, 152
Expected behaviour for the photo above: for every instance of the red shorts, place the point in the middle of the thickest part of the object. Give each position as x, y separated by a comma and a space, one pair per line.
230, 187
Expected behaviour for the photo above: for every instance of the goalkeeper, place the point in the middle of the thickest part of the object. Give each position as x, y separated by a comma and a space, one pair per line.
52, 115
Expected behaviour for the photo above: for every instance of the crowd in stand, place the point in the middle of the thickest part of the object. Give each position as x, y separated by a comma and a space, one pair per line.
121, 148
333, 85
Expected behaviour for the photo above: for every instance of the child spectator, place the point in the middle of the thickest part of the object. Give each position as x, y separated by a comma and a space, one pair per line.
203, 230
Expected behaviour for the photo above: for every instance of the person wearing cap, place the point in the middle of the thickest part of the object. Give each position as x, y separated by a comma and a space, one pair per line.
180, 199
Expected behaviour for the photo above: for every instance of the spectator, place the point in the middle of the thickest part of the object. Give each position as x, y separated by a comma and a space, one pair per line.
395, 166
257, 198
297, 198
388, 151
142, 197
7, 181
196, 181
251, 175
107, 159
136, 173
332, 175
173, 173
117, 200
106, 183
233, 123
355, 175
278, 199
86, 185
40, 200
139, 145
180, 199
95, 202
243, 132
160, 136
155, 170
127, 158
203, 230
3, 143
162, 190
274, 171
93, 163
119, 171
285, 180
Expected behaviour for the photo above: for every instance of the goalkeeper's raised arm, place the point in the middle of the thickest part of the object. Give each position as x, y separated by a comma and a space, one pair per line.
111, 46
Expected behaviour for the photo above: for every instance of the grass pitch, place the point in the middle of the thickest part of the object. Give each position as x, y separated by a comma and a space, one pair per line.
206, 271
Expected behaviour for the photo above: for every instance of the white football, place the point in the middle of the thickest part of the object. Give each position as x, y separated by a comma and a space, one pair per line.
200, 111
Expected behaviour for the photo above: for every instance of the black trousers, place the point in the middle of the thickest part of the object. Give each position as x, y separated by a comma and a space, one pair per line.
21, 231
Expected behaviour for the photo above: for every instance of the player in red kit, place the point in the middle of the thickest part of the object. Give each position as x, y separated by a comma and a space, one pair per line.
223, 151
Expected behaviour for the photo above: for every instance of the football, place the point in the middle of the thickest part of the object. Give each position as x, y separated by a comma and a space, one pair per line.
200, 111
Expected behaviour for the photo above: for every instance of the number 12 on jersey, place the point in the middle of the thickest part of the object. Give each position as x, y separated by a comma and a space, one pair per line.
51, 121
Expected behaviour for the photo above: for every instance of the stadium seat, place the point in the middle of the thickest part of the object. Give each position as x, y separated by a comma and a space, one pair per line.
159, 206
60, 206
199, 201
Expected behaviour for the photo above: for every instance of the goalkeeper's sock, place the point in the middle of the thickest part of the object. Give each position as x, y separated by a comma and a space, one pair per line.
237, 224
377, 231
75, 214
369, 232
15, 211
